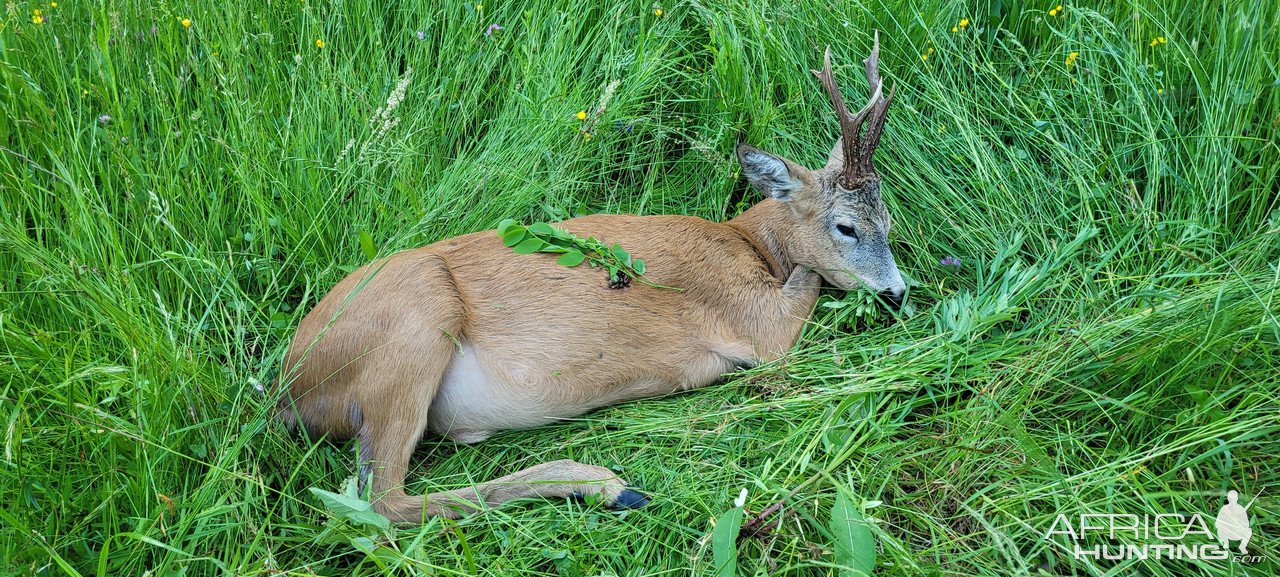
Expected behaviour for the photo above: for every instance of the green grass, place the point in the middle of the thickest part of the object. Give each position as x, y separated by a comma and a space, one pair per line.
1109, 343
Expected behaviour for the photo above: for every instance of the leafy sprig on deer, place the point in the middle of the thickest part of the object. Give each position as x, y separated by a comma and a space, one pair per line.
575, 250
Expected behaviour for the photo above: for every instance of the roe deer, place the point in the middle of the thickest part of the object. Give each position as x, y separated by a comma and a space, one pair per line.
466, 338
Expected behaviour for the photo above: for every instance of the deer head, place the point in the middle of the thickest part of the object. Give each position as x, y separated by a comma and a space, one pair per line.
838, 225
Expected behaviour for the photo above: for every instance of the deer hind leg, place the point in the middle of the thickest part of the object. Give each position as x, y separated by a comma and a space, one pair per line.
400, 378
396, 402
563, 478
389, 435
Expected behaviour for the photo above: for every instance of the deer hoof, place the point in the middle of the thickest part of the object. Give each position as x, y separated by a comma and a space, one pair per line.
629, 499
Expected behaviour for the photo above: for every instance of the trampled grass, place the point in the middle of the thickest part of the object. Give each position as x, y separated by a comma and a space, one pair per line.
175, 197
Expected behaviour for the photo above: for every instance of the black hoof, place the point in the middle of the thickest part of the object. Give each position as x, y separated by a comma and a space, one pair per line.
629, 499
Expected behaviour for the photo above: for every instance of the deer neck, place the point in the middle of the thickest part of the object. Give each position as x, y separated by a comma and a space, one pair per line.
768, 228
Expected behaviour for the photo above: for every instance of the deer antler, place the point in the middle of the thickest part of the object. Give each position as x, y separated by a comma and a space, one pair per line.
857, 148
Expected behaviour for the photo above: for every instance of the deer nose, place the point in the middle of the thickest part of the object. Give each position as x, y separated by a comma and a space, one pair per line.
891, 298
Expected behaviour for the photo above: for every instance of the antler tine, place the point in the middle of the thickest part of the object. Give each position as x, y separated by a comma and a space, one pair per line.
829, 84
849, 125
877, 92
879, 108
872, 63
874, 128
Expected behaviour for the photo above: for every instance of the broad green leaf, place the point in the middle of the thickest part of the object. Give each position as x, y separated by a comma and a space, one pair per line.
553, 241
571, 258
506, 225
514, 236
724, 542
542, 228
529, 246
352, 509
366, 245
638, 265
621, 254
855, 546
279, 320
1197, 393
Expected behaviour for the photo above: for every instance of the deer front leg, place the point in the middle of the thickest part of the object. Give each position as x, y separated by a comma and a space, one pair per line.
799, 295
801, 289
779, 320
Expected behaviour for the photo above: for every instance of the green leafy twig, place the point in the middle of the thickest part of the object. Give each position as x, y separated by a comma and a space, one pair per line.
575, 250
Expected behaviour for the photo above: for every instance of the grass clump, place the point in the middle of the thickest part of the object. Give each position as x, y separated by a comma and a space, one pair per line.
180, 184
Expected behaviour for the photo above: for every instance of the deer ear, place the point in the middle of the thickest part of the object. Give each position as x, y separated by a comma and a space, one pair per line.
772, 175
836, 156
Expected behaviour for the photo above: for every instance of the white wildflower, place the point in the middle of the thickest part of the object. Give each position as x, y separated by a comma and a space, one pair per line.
384, 118
346, 149
608, 95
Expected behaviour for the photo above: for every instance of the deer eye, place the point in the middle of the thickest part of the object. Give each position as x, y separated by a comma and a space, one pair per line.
847, 231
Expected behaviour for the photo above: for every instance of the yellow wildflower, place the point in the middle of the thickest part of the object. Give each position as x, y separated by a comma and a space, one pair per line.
37, 17
186, 22
954, 29
930, 51
1153, 43
1159, 91
964, 22
1053, 12
586, 136
479, 7
1161, 39
319, 43
924, 57
53, 4
657, 12
582, 115
1071, 58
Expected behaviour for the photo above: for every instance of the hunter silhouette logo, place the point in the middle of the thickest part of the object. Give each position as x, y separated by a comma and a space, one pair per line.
1233, 522
1158, 536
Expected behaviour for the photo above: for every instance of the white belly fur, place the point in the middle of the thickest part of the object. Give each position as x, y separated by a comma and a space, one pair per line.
476, 400
472, 404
